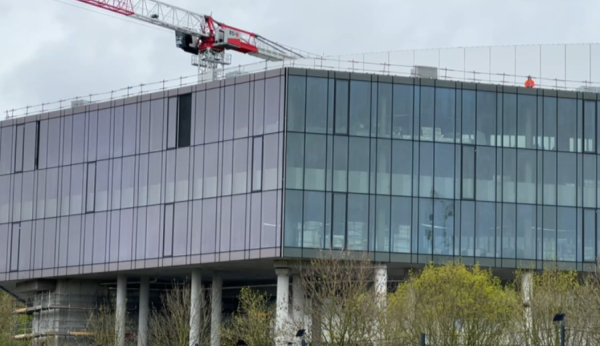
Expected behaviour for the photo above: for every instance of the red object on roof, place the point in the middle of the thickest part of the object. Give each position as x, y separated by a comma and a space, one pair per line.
529, 83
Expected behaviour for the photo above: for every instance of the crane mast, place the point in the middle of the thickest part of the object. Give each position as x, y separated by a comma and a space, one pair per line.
201, 35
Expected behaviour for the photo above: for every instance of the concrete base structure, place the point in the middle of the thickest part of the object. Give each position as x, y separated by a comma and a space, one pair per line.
143, 311
121, 310
216, 307
195, 307
282, 306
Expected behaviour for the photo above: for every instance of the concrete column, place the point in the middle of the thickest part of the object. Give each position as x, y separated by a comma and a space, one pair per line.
121, 310
527, 288
381, 284
216, 300
195, 307
143, 311
298, 303
282, 312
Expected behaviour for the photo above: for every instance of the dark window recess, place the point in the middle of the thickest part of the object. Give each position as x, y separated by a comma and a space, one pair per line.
91, 188
179, 122
168, 230
37, 145
19, 139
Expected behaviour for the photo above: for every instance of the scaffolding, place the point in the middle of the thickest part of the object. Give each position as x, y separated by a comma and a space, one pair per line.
48, 316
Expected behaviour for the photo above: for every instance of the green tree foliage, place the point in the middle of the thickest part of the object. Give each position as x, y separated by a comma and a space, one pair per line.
453, 305
252, 322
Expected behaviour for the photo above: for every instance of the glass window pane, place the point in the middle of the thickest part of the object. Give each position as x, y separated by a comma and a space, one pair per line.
549, 119
468, 172
589, 126
358, 222
567, 179
170, 176
20, 136
229, 102
486, 118
144, 139
16, 197
426, 113
549, 176
509, 220
153, 231
199, 117
51, 192
526, 120
210, 170
92, 136
5, 159
526, 231
272, 104
509, 175
129, 130
313, 235
426, 170
182, 172
486, 174
486, 229
154, 178
341, 106
227, 162
445, 106
549, 233
467, 229
25, 246
384, 110
180, 231
403, 111
184, 121
269, 226
316, 105
27, 196
257, 152
425, 225
6, 151
100, 238
198, 171
91, 187
314, 162
293, 218
209, 210
296, 103
140, 243
211, 133
49, 243
259, 107
127, 181
340, 163
238, 222
468, 116
358, 165
270, 161
126, 235
509, 121
382, 222
103, 133
53, 142
156, 124
360, 108
567, 126
240, 165
526, 176
566, 234
401, 167
444, 171
242, 94
225, 225
401, 224
74, 240
118, 132
30, 146
443, 227
101, 203
589, 235
115, 184
77, 189
589, 181
255, 220
5, 196
384, 166
168, 230
142, 180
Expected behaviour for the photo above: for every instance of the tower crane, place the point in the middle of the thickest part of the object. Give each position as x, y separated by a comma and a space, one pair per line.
200, 35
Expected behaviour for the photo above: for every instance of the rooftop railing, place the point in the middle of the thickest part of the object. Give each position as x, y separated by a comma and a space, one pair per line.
563, 67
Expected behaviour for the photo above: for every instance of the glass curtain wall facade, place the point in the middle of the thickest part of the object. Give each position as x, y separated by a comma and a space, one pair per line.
179, 177
415, 170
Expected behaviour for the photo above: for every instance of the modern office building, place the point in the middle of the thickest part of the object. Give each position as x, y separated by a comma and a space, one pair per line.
226, 181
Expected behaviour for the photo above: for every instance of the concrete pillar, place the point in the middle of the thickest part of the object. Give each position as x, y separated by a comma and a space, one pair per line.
121, 310
527, 288
282, 312
195, 307
216, 300
381, 284
298, 303
143, 311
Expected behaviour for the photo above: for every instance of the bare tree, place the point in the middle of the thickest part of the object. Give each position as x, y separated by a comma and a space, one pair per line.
170, 325
101, 328
341, 305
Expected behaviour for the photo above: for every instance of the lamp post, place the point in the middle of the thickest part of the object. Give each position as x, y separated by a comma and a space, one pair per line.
561, 319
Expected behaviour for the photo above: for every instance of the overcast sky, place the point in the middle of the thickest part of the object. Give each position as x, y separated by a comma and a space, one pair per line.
57, 49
